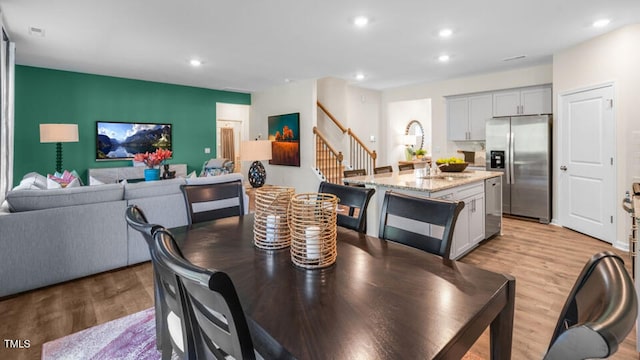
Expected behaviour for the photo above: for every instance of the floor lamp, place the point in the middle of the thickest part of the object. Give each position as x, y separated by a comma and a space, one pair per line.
58, 133
255, 151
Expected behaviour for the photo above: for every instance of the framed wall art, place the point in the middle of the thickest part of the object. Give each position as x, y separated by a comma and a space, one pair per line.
284, 131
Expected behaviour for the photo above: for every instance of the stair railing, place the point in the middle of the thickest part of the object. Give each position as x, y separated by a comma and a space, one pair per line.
360, 156
328, 160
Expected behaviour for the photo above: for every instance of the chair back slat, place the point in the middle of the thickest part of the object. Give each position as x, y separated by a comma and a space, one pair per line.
402, 167
355, 172
422, 210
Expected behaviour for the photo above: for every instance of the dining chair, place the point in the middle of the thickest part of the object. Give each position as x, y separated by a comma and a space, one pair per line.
179, 337
402, 167
357, 201
422, 213
218, 326
383, 169
138, 221
213, 201
599, 313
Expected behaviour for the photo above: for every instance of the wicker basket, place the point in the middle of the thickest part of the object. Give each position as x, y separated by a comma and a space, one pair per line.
312, 221
270, 226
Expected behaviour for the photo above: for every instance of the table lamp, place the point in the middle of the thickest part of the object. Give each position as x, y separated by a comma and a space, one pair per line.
256, 150
409, 141
58, 133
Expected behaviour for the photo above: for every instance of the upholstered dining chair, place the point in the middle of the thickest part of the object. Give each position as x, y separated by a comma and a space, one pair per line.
213, 201
138, 221
357, 201
218, 326
402, 167
383, 169
599, 313
424, 213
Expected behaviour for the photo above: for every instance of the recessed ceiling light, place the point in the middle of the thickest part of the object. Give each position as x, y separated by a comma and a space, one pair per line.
195, 62
359, 76
601, 23
361, 21
445, 32
443, 58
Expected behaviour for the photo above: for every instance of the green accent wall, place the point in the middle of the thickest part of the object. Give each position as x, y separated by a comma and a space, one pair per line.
53, 96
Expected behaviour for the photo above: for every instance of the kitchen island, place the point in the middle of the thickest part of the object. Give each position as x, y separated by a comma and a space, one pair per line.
482, 204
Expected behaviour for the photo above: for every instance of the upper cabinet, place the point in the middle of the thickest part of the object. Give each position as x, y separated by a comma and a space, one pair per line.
467, 115
525, 101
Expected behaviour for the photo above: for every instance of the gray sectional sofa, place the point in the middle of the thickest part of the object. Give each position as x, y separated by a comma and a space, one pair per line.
55, 235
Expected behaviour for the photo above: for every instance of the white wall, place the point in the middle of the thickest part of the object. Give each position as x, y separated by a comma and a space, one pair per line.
613, 57
299, 96
436, 91
354, 107
399, 114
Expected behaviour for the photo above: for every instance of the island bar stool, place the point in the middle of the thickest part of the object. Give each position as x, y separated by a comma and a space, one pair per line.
402, 167
383, 169
356, 172
429, 211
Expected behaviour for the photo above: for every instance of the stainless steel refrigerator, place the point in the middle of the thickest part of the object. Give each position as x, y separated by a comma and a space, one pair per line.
520, 148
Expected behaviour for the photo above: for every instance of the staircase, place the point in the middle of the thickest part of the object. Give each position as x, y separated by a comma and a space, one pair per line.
329, 161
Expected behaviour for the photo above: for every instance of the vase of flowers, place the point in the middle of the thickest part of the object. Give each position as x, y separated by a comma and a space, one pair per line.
153, 161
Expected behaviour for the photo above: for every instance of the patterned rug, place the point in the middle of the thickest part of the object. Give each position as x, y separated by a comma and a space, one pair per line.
130, 337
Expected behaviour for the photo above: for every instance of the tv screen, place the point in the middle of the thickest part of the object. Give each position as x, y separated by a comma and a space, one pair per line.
122, 140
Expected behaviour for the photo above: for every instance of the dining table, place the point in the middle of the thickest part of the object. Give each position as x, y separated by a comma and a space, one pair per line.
379, 300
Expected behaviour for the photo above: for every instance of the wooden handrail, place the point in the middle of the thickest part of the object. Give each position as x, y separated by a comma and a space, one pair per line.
333, 118
324, 139
371, 153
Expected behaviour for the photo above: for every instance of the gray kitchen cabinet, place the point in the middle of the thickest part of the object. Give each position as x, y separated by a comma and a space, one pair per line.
523, 101
466, 116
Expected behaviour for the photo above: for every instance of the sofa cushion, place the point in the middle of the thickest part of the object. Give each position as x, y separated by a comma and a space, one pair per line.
152, 188
27, 200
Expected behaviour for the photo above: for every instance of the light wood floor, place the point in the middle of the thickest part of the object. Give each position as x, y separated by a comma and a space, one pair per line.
544, 259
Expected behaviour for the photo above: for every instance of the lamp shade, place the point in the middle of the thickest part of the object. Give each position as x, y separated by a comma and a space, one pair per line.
58, 133
409, 140
255, 150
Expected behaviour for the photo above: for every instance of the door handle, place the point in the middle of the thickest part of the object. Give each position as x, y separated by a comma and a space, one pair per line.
563, 168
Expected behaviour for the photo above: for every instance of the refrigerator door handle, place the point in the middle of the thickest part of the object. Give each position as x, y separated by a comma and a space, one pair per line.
512, 175
507, 160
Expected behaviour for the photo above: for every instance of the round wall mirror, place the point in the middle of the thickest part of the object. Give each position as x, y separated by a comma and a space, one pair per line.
415, 128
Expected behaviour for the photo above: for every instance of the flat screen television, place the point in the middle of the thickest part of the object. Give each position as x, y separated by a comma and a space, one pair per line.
122, 140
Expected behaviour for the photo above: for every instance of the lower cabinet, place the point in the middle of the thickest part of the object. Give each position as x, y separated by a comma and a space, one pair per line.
469, 230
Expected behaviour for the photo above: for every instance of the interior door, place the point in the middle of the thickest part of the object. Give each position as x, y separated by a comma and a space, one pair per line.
586, 169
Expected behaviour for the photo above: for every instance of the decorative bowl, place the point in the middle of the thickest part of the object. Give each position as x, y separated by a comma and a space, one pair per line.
458, 167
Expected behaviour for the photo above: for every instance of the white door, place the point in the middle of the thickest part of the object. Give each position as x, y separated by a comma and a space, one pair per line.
586, 169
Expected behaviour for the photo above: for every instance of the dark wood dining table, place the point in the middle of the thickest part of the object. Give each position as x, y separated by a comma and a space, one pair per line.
380, 300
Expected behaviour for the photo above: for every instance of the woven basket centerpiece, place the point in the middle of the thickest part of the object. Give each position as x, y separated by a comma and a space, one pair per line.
312, 221
270, 225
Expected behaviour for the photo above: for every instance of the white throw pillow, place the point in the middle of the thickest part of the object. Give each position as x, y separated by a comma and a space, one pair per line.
74, 183
53, 184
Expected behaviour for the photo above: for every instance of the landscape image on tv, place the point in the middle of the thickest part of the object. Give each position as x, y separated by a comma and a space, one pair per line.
122, 140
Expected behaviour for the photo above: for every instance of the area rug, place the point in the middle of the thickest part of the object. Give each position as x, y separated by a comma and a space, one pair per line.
130, 337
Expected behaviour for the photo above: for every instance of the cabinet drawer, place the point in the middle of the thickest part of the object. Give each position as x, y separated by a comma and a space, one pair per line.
469, 190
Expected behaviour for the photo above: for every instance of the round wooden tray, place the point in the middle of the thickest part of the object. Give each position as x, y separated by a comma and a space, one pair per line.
458, 167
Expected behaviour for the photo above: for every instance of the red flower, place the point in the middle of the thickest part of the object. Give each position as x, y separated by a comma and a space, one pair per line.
153, 159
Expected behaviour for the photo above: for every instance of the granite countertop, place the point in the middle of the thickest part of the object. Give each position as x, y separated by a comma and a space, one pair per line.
415, 180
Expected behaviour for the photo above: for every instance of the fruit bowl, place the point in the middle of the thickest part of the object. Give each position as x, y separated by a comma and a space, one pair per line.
451, 167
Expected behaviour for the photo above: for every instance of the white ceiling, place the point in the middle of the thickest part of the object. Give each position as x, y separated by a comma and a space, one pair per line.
252, 45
